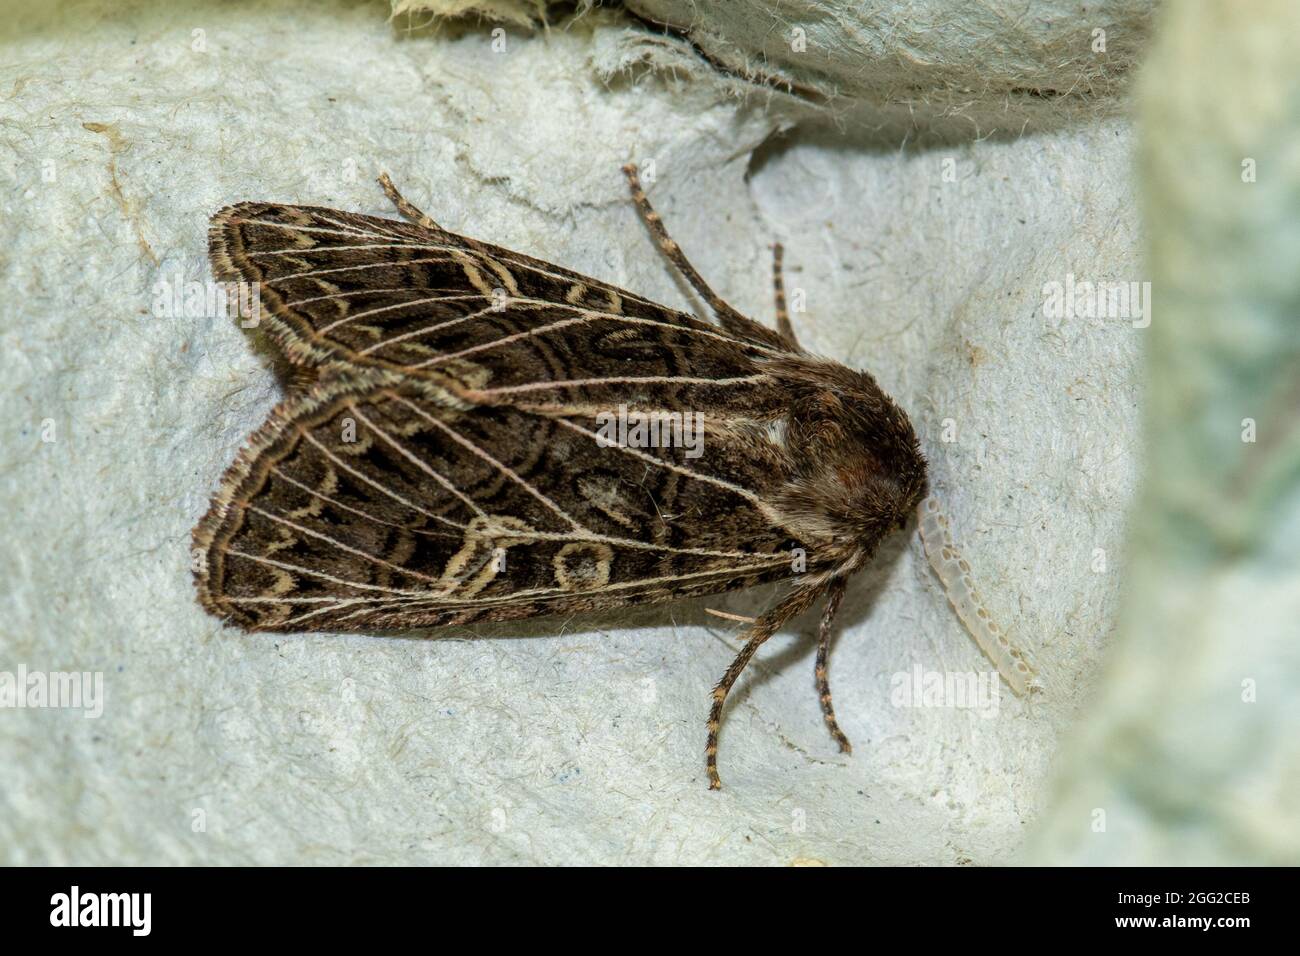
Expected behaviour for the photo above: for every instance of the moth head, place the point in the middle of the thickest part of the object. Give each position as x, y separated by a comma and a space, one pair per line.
858, 470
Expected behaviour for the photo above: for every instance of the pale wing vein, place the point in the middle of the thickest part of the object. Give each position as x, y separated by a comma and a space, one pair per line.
365, 555
391, 308
673, 466
420, 463
298, 569
357, 511
617, 380
374, 484
495, 463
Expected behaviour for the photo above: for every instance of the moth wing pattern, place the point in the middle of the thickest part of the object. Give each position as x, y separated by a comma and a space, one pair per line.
440, 459
363, 289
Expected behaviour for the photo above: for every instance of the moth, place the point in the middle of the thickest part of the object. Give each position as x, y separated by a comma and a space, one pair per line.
438, 459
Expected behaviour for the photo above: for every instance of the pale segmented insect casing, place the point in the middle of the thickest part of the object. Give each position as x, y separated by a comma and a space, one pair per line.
955, 573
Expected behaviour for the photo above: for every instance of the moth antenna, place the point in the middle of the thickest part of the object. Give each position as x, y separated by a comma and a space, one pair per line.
955, 573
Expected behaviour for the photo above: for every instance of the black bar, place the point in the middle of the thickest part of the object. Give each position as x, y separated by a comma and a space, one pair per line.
338, 906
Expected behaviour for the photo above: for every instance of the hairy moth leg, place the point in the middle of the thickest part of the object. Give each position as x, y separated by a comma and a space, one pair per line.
731, 320
955, 574
406, 208
783, 325
836, 595
767, 625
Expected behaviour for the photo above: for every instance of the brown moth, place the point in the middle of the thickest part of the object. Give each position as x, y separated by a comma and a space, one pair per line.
439, 458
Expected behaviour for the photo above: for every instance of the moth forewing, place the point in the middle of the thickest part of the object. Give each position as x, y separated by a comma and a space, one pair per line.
440, 459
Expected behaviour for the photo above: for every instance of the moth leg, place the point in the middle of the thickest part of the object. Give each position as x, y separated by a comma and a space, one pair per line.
731, 320
823, 648
405, 207
767, 625
778, 293
720, 692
